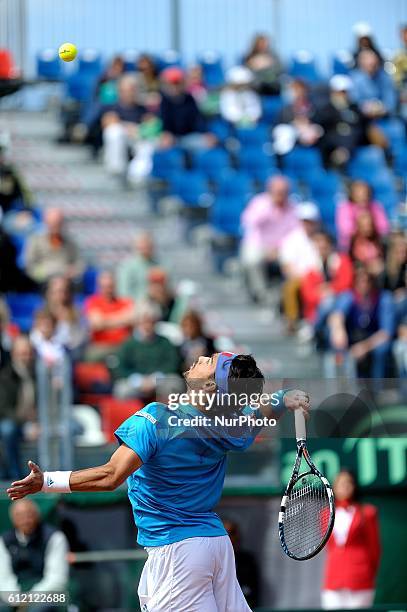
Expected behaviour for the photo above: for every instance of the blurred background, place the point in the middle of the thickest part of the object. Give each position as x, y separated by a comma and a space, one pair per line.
204, 176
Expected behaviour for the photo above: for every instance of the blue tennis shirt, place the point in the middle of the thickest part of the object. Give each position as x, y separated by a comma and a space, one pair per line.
180, 482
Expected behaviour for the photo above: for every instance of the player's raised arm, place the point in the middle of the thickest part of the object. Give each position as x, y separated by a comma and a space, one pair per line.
107, 477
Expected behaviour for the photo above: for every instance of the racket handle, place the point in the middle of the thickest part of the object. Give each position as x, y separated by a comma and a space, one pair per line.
300, 429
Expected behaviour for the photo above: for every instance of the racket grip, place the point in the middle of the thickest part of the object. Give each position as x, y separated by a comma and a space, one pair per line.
300, 429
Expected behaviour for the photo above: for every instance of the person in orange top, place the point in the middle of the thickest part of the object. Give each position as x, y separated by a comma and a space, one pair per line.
110, 318
320, 285
353, 550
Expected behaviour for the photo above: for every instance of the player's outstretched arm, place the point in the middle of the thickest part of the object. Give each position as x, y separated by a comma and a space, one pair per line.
107, 477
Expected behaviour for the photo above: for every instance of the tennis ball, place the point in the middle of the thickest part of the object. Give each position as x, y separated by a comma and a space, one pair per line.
67, 52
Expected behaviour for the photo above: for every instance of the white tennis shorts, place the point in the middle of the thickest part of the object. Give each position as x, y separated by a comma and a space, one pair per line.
194, 575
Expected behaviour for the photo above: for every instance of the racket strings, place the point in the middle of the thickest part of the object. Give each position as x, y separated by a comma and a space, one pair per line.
306, 517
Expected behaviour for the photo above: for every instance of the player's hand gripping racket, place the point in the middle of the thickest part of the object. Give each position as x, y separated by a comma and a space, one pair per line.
307, 510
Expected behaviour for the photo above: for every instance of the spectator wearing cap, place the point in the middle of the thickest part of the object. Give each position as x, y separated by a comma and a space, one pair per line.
296, 122
132, 272
359, 200
297, 256
182, 121
52, 252
361, 328
144, 356
239, 103
373, 89
342, 121
267, 219
265, 66
110, 318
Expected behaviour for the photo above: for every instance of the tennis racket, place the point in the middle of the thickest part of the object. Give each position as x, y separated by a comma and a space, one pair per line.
307, 511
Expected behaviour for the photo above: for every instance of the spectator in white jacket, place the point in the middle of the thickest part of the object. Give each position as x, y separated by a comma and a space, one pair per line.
239, 103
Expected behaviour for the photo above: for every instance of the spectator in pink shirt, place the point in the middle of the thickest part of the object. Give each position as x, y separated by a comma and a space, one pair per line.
360, 200
267, 219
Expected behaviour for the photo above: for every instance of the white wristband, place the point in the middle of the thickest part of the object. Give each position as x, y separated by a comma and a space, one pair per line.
56, 482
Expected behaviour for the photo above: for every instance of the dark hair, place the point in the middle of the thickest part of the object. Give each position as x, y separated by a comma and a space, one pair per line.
352, 474
328, 237
244, 376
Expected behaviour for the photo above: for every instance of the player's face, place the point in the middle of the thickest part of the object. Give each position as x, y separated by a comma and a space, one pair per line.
203, 369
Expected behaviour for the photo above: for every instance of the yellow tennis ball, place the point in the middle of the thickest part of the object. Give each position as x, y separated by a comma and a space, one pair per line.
67, 52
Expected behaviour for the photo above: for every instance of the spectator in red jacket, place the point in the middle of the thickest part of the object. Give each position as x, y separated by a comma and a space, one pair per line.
320, 285
353, 551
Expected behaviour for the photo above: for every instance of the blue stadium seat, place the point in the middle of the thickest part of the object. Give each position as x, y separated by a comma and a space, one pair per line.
384, 190
220, 128
342, 62
327, 208
212, 162
400, 162
303, 66
395, 132
271, 106
90, 63
366, 161
302, 161
257, 163
89, 280
226, 213
167, 162
23, 307
323, 183
49, 66
235, 184
80, 87
212, 69
169, 58
253, 136
192, 188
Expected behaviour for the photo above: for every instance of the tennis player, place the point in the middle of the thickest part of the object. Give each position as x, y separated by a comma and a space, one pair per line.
175, 476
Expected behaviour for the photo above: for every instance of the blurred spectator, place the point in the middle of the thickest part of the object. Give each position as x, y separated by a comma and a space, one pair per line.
360, 200
266, 220
361, 328
5, 340
265, 65
71, 330
160, 293
298, 255
321, 285
366, 246
247, 570
395, 269
11, 277
400, 75
400, 352
239, 103
195, 85
132, 272
343, 123
295, 122
106, 87
13, 191
181, 118
110, 318
353, 550
148, 81
33, 555
364, 40
17, 404
195, 342
143, 357
52, 252
114, 125
45, 340
373, 89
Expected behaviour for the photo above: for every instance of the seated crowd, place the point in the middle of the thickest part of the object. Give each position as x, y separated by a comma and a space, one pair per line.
338, 276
